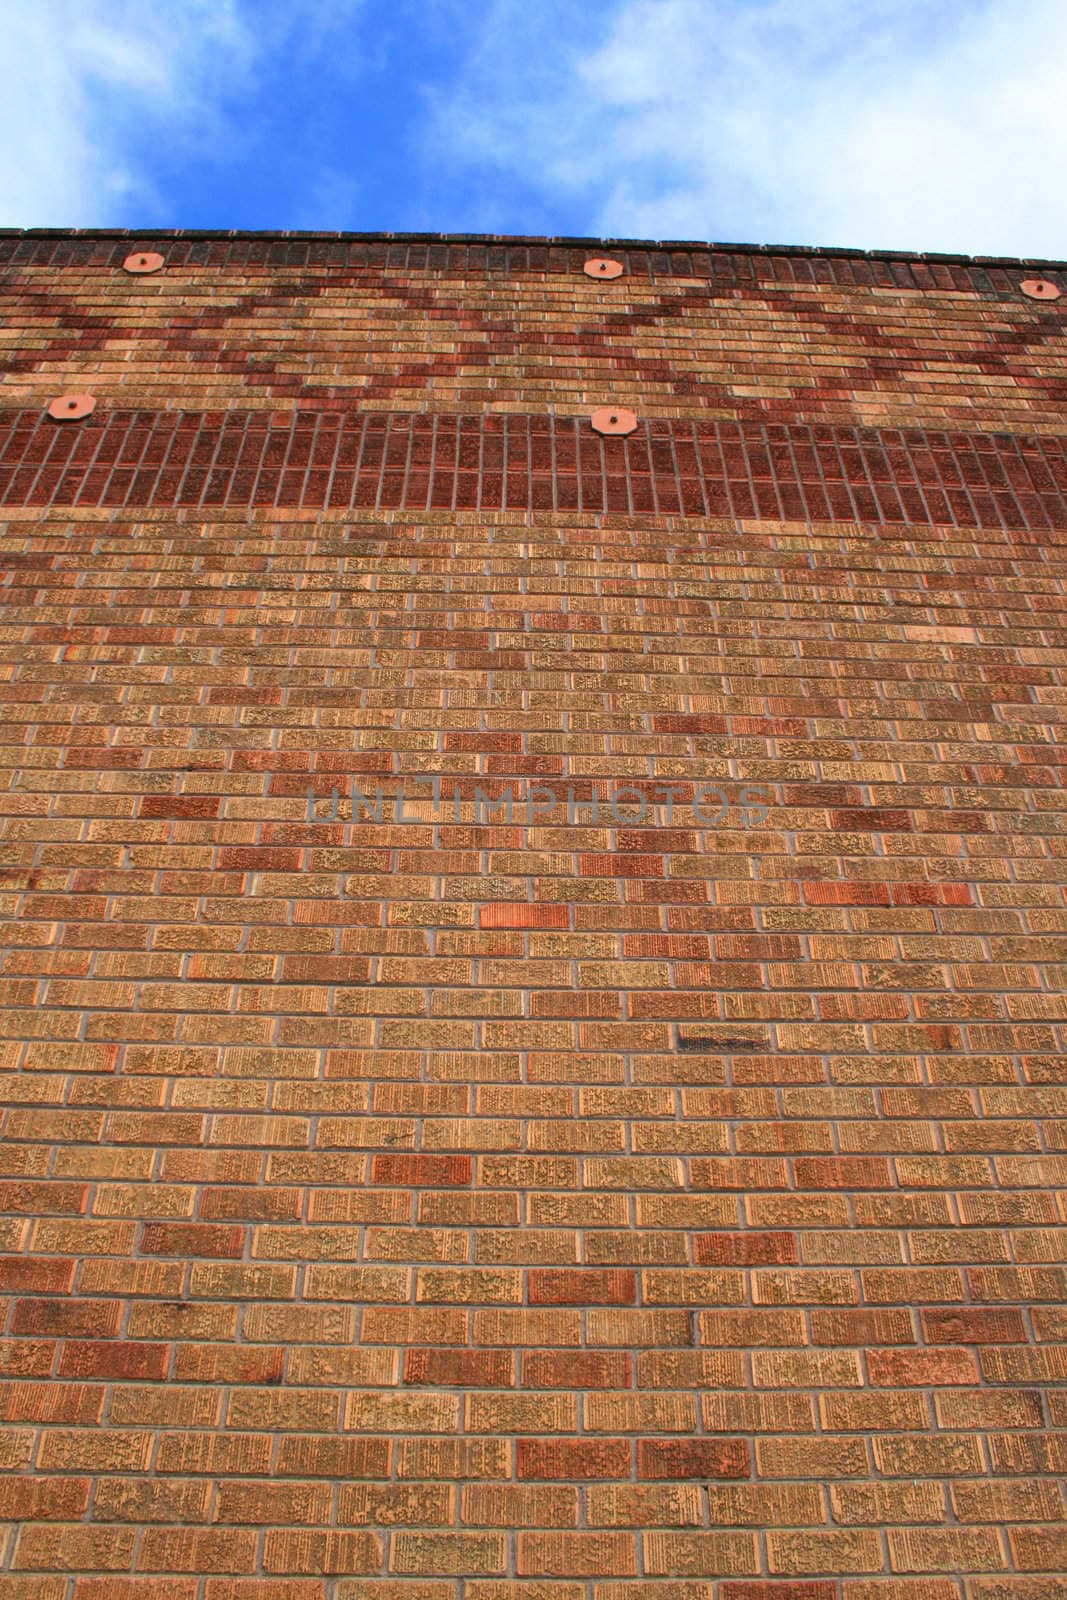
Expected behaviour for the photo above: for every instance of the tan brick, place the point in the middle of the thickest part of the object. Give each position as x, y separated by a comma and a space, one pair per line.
314, 1551
615, 1206
464, 1554
517, 1506
700, 1554
577, 1554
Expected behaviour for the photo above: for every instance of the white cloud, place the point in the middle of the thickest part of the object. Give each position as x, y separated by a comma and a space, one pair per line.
80, 82
89, 88
914, 124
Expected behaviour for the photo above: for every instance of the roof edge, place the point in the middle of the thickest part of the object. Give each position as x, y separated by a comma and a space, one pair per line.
808, 252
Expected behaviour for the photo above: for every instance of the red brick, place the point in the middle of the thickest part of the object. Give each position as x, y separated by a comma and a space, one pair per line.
491, 1369
577, 1369
47, 1499
422, 1172
88, 1358
973, 1325
574, 1287
693, 1458
561, 1459
509, 914
179, 806
193, 1239
877, 819
689, 724
621, 866
927, 1367
846, 894
68, 1318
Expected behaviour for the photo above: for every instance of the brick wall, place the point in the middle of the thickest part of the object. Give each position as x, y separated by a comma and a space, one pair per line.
651, 1189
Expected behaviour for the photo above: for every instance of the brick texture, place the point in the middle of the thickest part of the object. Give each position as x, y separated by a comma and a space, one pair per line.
378, 461
532, 988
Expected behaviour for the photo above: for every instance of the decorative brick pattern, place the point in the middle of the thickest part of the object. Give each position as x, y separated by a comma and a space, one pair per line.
601, 1194
750, 342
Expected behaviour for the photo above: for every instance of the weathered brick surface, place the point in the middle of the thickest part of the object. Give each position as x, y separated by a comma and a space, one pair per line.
381, 461
628, 1194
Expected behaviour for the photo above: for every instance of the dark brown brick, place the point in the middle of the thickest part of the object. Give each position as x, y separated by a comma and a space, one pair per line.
693, 1458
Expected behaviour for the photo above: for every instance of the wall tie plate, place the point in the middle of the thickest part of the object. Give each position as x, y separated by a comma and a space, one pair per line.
71, 407
615, 421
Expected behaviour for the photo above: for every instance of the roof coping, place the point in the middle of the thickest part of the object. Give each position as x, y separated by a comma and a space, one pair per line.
811, 252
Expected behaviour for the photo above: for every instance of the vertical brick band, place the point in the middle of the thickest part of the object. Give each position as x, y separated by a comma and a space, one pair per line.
400, 461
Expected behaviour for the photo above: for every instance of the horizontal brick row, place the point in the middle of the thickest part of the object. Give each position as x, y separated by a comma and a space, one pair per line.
726, 264
675, 1556
379, 461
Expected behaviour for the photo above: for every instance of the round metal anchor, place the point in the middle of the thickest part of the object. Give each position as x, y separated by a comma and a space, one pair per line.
71, 407
614, 420
603, 267
143, 261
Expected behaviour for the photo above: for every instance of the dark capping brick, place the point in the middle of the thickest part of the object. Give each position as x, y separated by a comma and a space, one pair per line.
723, 1046
265, 235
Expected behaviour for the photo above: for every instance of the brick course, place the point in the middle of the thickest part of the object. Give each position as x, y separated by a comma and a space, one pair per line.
626, 1196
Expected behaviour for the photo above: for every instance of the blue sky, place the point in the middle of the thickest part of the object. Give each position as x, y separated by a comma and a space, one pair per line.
911, 124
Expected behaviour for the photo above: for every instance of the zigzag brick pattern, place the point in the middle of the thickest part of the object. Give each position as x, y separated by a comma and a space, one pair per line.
532, 995
538, 336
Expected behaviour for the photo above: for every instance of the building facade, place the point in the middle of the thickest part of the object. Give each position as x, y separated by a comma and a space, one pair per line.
533, 863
